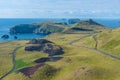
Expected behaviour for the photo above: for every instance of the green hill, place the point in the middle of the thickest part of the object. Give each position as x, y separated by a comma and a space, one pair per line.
88, 26
108, 41
86, 56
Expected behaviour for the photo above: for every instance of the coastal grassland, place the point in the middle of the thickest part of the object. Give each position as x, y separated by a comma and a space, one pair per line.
26, 58
6, 49
110, 42
61, 38
77, 63
106, 41
89, 42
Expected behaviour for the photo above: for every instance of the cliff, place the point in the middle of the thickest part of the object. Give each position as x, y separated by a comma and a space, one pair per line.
38, 28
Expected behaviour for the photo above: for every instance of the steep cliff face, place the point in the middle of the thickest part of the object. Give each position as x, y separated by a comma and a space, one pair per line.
38, 28
23, 28
50, 27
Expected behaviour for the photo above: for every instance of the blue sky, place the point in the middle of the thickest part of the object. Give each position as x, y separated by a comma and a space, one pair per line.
59, 8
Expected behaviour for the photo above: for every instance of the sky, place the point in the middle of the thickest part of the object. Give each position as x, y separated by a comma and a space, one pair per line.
59, 8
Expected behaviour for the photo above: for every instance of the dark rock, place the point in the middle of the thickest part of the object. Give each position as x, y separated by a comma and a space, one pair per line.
5, 36
15, 37
33, 48
46, 59
23, 28
39, 41
81, 29
52, 49
42, 60
44, 46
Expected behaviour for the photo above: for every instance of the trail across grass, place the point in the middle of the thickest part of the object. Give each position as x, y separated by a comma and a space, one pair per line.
13, 61
95, 49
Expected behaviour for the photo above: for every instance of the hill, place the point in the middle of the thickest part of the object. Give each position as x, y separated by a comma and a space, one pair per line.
46, 27
108, 41
93, 55
80, 61
88, 26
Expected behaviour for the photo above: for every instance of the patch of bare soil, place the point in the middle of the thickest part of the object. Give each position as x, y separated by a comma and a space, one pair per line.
31, 70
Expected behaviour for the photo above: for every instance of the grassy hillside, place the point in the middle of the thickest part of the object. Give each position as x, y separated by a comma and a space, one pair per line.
6, 48
88, 26
80, 60
77, 63
108, 41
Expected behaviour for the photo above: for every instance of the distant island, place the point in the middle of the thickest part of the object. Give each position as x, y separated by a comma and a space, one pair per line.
82, 50
54, 27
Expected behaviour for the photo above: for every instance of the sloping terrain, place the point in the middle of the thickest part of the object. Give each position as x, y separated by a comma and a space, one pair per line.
77, 62
108, 41
93, 55
88, 26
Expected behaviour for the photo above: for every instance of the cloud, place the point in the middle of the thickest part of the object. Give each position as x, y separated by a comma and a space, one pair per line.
59, 8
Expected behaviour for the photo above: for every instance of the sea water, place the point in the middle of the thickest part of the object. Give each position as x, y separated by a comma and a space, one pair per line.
7, 23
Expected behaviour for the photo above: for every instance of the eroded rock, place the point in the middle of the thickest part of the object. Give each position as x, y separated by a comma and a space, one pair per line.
5, 36
44, 46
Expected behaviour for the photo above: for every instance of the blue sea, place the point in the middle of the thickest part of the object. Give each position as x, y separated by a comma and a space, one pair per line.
7, 23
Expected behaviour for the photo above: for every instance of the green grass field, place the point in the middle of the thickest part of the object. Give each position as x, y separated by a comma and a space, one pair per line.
78, 63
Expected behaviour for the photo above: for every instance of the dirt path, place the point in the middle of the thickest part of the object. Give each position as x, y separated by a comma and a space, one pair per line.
95, 49
102, 52
13, 61
96, 41
70, 43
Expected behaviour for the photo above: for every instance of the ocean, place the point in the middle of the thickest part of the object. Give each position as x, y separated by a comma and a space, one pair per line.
7, 23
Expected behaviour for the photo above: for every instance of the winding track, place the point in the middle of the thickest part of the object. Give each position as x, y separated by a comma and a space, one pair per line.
95, 49
71, 43
13, 61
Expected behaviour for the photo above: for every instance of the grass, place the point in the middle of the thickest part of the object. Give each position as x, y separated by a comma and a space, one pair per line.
89, 42
97, 67
110, 42
77, 63
21, 64
107, 41
6, 49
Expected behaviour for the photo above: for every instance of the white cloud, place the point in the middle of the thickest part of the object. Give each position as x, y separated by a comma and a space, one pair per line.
58, 8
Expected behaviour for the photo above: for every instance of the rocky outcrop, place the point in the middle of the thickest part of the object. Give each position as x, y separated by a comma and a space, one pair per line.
44, 46
23, 28
5, 36
39, 41
47, 59
73, 21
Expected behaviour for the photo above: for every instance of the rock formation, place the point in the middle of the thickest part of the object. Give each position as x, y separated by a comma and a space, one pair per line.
44, 46
5, 36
